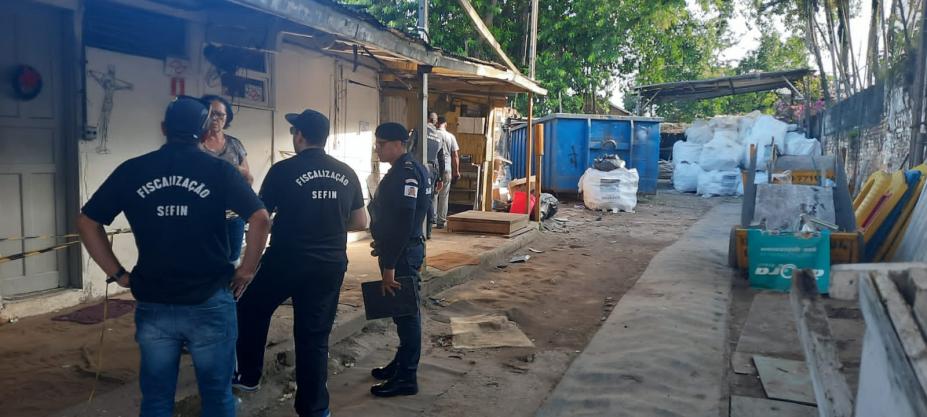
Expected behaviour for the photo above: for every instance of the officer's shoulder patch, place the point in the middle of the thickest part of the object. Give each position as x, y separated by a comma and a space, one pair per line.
412, 181
409, 165
410, 191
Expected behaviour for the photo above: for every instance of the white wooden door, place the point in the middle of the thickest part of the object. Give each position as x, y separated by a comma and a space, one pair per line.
31, 150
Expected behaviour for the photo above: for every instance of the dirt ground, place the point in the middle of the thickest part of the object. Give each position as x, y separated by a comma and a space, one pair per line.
40, 376
558, 298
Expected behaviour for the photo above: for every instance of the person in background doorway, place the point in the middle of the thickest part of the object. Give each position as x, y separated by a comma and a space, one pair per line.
318, 199
451, 172
175, 199
397, 212
437, 160
223, 146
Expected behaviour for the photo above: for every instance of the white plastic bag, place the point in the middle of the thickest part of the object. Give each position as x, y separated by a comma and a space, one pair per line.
727, 134
613, 190
720, 154
685, 177
686, 152
797, 144
767, 130
724, 122
699, 132
711, 183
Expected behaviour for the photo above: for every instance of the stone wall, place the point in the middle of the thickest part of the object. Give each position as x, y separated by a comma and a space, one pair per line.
873, 128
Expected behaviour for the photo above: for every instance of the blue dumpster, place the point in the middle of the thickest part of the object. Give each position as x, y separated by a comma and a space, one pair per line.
573, 141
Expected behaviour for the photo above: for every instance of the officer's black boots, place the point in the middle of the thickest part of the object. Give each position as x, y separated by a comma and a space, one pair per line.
395, 387
385, 372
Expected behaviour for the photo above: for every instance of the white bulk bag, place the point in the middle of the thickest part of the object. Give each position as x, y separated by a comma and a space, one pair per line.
711, 183
767, 130
686, 152
685, 177
613, 190
699, 132
797, 144
720, 154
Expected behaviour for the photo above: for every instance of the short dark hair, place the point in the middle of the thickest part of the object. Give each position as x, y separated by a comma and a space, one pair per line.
441, 120
229, 115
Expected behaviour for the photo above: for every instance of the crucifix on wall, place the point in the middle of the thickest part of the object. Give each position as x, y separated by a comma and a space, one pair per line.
110, 85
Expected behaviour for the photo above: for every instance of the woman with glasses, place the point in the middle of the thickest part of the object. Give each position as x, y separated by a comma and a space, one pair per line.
224, 146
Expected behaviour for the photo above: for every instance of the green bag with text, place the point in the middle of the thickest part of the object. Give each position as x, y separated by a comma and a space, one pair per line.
774, 257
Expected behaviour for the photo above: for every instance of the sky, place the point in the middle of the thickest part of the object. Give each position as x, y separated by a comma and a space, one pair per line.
743, 28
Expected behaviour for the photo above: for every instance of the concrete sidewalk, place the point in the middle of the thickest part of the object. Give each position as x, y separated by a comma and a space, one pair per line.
662, 350
489, 250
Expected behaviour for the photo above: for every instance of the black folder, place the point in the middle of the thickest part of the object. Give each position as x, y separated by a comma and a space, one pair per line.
378, 306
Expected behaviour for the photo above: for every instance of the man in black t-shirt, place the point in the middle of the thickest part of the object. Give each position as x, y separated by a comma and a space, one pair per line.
317, 200
175, 199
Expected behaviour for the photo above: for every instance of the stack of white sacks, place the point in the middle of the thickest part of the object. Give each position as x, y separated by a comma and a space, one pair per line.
709, 161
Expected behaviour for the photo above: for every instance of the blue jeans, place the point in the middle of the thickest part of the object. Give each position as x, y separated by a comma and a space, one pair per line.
409, 327
236, 231
209, 331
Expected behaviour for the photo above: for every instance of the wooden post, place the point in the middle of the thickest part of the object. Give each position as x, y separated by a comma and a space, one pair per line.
539, 154
830, 386
529, 154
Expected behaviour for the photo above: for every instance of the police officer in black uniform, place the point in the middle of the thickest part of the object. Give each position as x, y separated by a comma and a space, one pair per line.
397, 213
317, 200
175, 199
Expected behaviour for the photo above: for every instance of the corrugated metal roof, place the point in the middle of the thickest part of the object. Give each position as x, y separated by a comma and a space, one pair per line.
719, 87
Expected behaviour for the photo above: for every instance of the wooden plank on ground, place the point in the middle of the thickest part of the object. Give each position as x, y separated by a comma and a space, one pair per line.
913, 287
888, 384
487, 222
830, 386
910, 335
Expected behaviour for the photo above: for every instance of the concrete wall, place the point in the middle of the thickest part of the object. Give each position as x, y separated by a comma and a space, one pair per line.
302, 79
350, 99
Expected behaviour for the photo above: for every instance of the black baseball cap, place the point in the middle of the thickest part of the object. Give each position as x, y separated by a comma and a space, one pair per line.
186, 119
313, 125
392, 131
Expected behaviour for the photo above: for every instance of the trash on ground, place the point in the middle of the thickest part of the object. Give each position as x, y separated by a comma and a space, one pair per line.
487, 331
519, 259
535, 250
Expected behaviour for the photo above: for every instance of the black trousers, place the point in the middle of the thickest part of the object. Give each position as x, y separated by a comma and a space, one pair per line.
410, 327
315, 290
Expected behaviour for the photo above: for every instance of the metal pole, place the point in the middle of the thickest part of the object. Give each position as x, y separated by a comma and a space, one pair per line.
529, 154
423, 20
423, 71
532, 57
534, 38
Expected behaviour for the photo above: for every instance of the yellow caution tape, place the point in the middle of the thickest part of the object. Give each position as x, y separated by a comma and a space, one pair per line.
18, 256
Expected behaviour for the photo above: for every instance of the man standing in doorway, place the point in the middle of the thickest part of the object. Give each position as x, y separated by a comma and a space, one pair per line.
397, 212
317, 200
175, 199
451, 172
437, 160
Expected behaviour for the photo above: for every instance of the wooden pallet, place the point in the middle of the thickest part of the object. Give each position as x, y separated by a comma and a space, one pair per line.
487, 222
